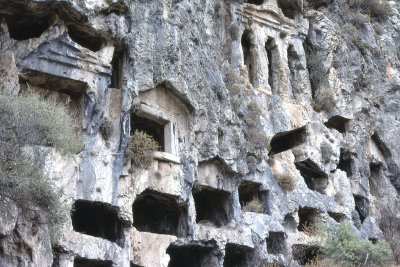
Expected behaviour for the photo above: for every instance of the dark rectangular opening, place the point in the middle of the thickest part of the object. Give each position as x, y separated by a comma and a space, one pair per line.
374, 179
150, 127
253, 199
308, 217
82, 262
289, 8
338, 122
255, 2
85, 37
345, 163
338, 217
193, 255
97, 219
305, 254
160, 213
270, 48
314, 177
289, 223
362, 207
276, 243
237, 255
117, 65
246, 48
287, 140
212, 205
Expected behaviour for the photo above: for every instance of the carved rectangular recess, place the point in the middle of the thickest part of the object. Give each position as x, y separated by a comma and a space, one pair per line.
276, 242
83, 262
160, 213
97, 219
193, 255
250, 194
287, 140
212, 205
237, 255
314, 177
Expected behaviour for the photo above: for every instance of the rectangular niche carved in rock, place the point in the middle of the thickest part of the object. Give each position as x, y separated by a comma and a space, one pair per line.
117, 64
247, 57
276, 243
304, 253
345, 163
97, 219
237, 255
287, 140
289, 8
253, 199
272, 56
151, 127
160, 213
193, 255
314, 177
362, 207
212, 205
308, 217
338, 122
82, 262
338, 217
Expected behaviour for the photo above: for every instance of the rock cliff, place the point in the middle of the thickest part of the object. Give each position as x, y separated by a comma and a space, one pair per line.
271, 115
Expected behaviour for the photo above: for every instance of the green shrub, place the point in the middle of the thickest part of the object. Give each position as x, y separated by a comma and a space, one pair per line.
35, 194
390, 226
140, 149
379, 9
343, 246
316, 70
325, 99
30, 120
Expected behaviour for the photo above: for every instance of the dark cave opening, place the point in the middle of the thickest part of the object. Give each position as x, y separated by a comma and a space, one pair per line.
117, 65
345, 163
25, 25
250, 191
287, 140
246, 48
305, 253
338, 122
193, 255
308, 217
338, 217
237, 255
314, 177
83, 37
212, 205
276, 243
97, 219
362, 207
160, 213
82, 262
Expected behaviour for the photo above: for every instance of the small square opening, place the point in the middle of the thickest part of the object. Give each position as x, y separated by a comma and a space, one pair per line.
305, 254
212, 205
276, 243
193, 255
345, 163
314, 177
308, 217
237, 255
253, 199
338, 122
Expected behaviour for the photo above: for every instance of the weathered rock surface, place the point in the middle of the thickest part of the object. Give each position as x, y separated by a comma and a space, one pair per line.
225, 87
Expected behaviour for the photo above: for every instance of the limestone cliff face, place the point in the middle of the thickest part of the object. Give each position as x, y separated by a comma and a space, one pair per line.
225, 88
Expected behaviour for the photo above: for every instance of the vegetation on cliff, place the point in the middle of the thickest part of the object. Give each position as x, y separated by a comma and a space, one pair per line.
28, 121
